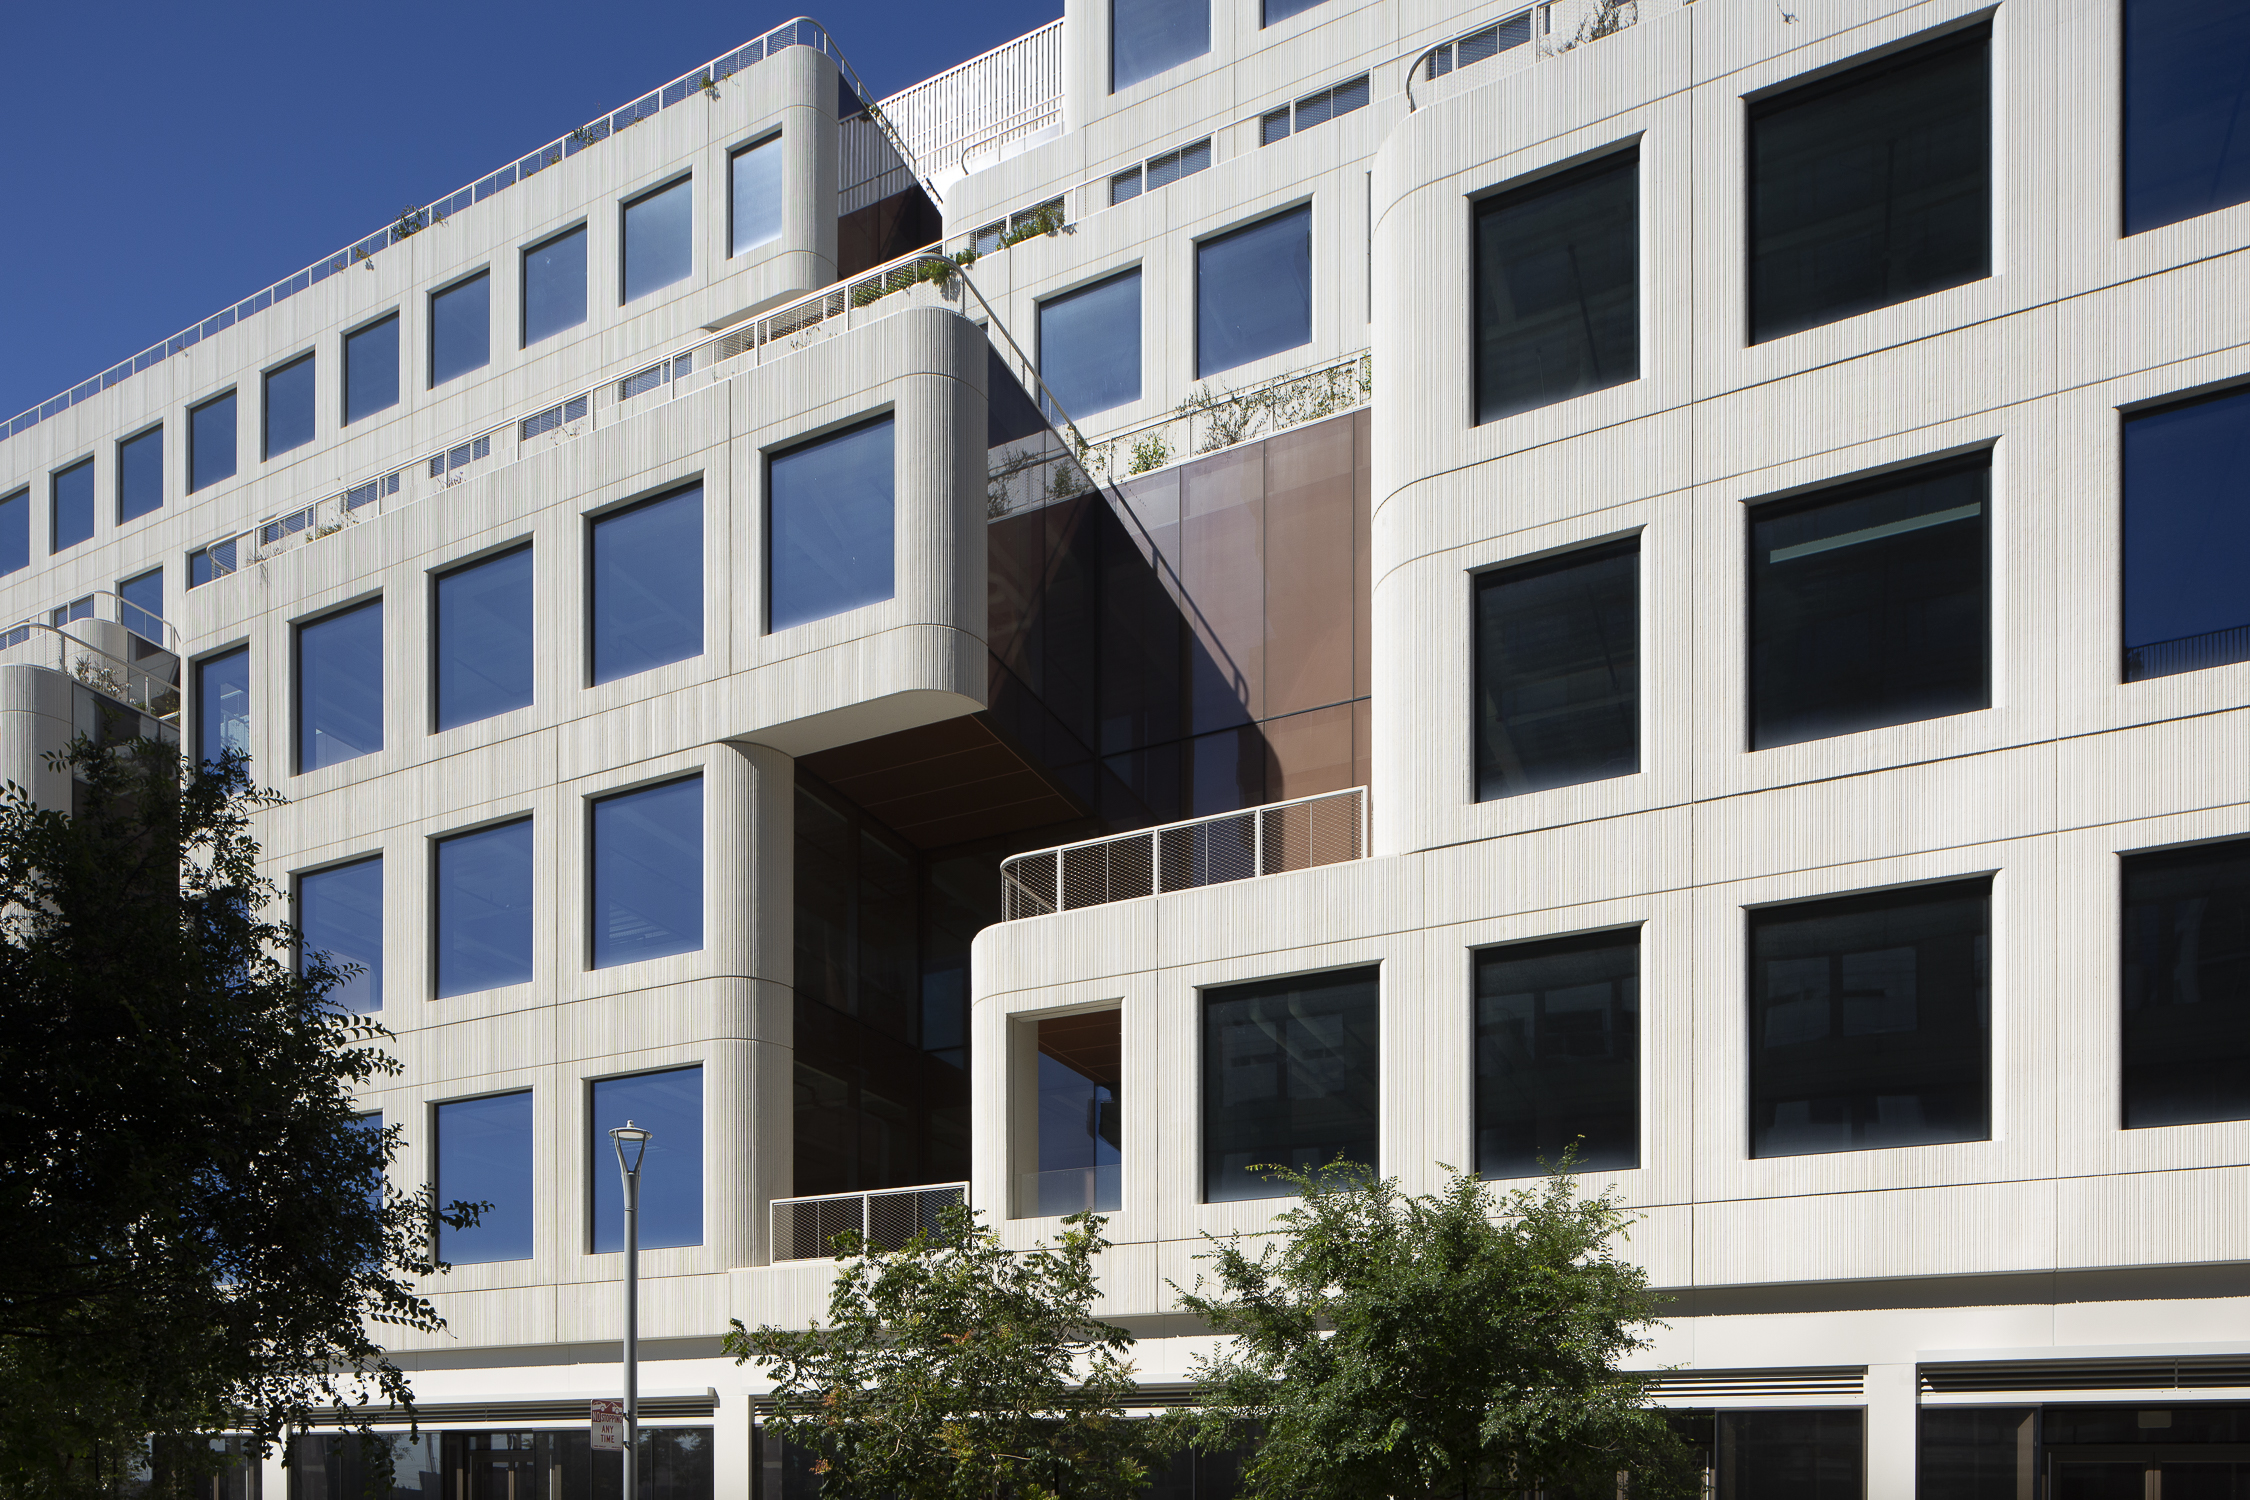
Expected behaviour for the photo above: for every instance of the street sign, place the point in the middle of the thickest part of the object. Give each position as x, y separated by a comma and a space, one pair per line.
609, 1426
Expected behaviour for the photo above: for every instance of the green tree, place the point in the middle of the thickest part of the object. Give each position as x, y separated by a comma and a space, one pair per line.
1462, 1343
953, 1369
192, 1214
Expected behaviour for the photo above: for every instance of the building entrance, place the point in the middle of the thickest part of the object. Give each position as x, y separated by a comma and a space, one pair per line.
2198, 1472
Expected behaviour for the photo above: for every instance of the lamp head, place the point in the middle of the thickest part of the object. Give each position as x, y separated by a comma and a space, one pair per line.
632, 1143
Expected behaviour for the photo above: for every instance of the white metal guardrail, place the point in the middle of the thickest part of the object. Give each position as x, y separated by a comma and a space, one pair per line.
1519, 40
150, 682
806, 1228
1301, 834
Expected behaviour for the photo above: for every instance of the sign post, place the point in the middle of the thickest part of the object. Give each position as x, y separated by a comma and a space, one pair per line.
609, 1426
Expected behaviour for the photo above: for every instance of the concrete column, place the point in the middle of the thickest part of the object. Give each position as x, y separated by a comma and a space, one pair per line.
1893, 1429
752, 791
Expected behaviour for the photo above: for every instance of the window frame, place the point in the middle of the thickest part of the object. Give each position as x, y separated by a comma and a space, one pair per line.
198, 408
1586, 553
625, 206
297, 880
884, 414
153, 429
266, 453
434, 893
1196, 245
1377, 965
589, 561
770, 137
1136, 269
395, 317
523, 283
297, 629
195, 668
435, 644
430, 320
595, 1140
588, 957
55, 545
435, 1118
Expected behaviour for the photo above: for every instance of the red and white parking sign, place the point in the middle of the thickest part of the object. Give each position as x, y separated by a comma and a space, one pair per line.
609, 1426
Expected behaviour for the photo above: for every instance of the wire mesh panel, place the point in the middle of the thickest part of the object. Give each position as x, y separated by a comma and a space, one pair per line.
806, 1228
1027, 885
895, 1218
1301, 835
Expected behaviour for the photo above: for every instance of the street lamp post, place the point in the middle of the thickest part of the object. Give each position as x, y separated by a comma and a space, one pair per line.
631, 1142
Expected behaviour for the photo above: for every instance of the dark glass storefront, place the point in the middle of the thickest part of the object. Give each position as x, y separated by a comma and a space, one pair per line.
675, 1464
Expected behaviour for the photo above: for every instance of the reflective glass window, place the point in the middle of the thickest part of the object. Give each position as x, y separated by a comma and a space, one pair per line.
76, 609
141, 604
554, 286
1871, 187
648, 873
371, 369
1558, 268
2186, 974
211, 442
1558, 655
1081, 1130
829, 526
288, 414
340, 914
1253, 292
1869, 605
1558, 1054
1977, 1453
1271, 11
755, 204
1870, 1021
2186, 95
659, 239
485, 884
647, 585
15, 532
481, 657
2187, 536
1148, 37
461, 328
71, 511
222, 704
1289, 1079
1090, 345
669, 1105
340, 686
484, 1151
1792, 1455
140, 474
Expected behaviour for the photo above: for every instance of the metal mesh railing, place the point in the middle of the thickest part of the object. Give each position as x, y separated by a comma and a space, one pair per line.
806, 1228
150, 682
1272, 840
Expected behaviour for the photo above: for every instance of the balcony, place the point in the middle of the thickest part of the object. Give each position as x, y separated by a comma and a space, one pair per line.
806, 1228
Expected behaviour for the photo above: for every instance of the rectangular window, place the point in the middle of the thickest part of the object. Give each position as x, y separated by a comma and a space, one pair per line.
222, 704
2186, 972
1271, 11
1090, 345
1124, 186
1314, 109
371, 369
1975, 1452
1869, 604
1289, 1079
340, 915
340, 686
141, 605
481, 654
288, 408
2187, 536
647, 585
484, 1153
1558, 1054
140, 475
1080, 1133
76, 609
15, 532
554, 285
754, 201
211, 442
460, 328
659, 239
1870, 1021
1559, 288
1558, 667
1871, 187
668, 1105
1170, 167
485, 883
71, 506
1801, 1455
829, 527
648, 873
2186, 94
1148, 37
1253, 292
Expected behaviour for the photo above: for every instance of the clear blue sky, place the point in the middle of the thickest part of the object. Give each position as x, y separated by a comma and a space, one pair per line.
169, 160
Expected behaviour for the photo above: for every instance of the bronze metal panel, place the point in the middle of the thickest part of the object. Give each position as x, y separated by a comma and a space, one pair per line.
1310, 569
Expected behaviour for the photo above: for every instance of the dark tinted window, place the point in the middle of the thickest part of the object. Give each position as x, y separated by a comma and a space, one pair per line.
371, 369
15, 532
659, 239
481, 658
1869, 605
1558, 1054
2187, 536
1289, 1079
670, 1106
71, 515
1270, 11
484, 915
1080, 1157
2186, 960
1977, 1453
461, 329
340, 914
140, 474
211, 442
648, 585
1090, 345
1558, 288
1792, 1455
648, 873
755, 204
484, 1156
829, 527
2187, 93
141, 604
340, 687
554, 285
222, 704
289, 407
1148, 37
1558, 671
1870, 1021
1253, 292
1872, 187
